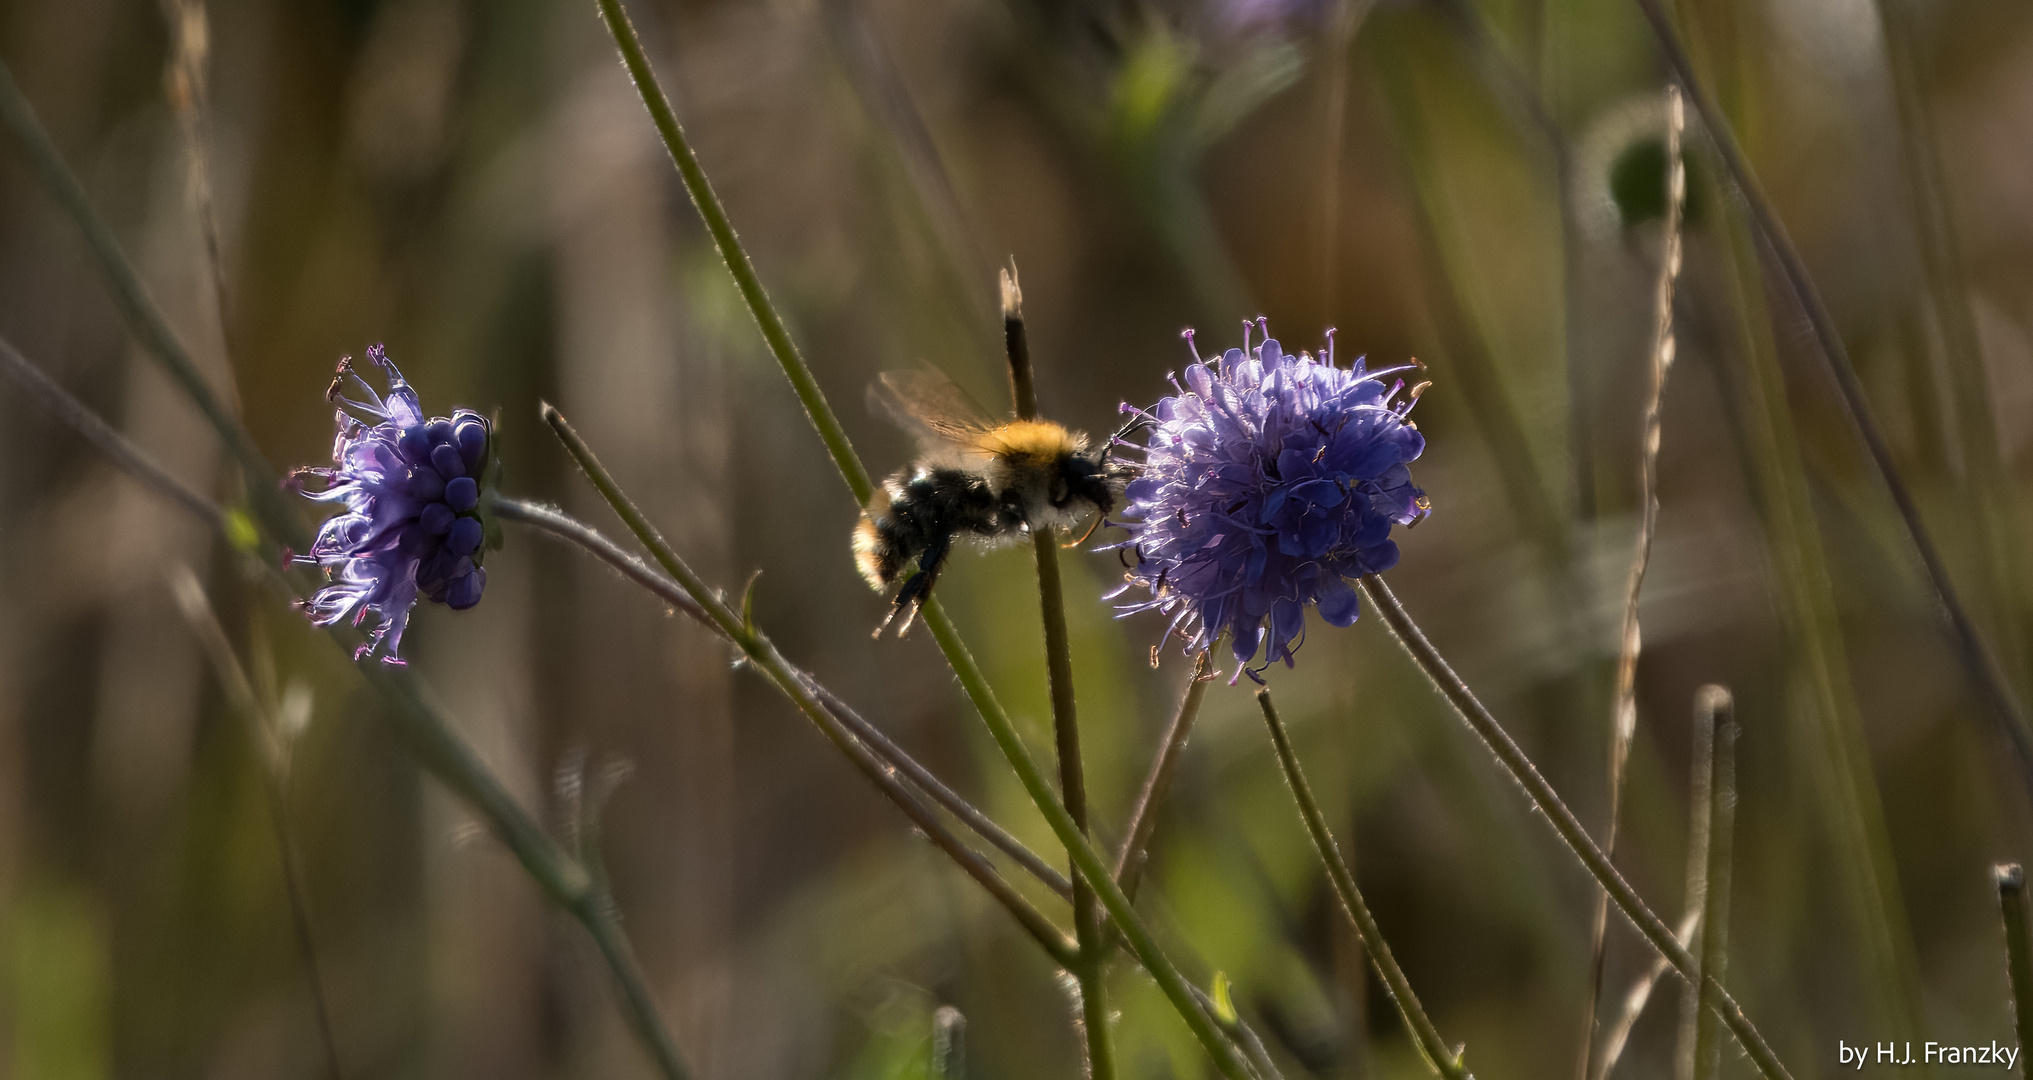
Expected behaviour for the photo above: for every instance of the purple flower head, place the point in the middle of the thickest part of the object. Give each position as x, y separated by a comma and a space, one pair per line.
1267, 481
410, 485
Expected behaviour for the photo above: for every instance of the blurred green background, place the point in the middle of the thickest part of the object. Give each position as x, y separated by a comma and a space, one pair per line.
1471, 182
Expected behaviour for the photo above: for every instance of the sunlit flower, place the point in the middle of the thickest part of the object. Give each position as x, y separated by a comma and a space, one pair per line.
410, 485
1267, 482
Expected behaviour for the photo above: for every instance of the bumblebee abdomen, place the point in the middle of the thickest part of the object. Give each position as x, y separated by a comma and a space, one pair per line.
919, 512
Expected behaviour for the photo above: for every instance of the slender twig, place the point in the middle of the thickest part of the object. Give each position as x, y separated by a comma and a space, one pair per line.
707, 203
1085, 860
73, 414
954, 803
1092, 970
1445, 1060
143, 318
1624, 724
1715, 711
794, 684
1143, 821
1700, 819
1563, 821
266, 734
190, 98
2011, 881
1977, 661
1638, 995
564, 527
425, 730
571, 530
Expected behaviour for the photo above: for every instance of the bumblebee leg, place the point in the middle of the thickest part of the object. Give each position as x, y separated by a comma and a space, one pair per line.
919, 588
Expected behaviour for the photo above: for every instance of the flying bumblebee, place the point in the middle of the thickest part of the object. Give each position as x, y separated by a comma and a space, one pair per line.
987, 480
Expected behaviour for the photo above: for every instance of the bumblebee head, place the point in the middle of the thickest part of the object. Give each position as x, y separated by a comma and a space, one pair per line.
1090, 478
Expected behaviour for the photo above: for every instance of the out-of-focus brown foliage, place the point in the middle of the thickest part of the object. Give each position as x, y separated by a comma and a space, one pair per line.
477, 185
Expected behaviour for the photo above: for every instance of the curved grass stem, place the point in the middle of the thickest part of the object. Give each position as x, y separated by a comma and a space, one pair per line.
590, 540
1444, 1060
795, 685
1548, 802
1978, 663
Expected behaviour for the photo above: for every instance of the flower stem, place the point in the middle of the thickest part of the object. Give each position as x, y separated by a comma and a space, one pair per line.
1143, 821
797, 686
1092, 970
589, 539
2018, 955
1085, 861
1092, 966
707, 203
1514, 761
1446, 1062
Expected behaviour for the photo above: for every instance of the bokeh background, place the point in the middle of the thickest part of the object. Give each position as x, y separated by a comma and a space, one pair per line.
1470, 182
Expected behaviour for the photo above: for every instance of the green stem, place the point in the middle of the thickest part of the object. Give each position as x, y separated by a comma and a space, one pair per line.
715, 216
1085, 860
1092, 969
1446, 1062
793, 683
2018, 956
1514, 761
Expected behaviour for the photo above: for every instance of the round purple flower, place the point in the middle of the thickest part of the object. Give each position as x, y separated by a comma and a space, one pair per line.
410, 485
1267, 481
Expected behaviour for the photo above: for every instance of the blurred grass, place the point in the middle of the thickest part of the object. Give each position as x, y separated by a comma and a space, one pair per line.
472, 251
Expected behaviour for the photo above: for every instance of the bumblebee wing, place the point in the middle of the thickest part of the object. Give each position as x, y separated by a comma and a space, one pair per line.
933, 408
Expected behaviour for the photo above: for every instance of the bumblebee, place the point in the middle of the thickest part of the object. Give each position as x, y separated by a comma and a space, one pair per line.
986, 480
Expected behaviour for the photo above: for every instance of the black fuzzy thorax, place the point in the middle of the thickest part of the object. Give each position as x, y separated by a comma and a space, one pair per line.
927, 509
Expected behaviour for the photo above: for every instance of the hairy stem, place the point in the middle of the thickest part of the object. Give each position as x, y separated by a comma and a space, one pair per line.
714, 215
1549, 804
590, 540
1085, 860
1445, 1061
794, 684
